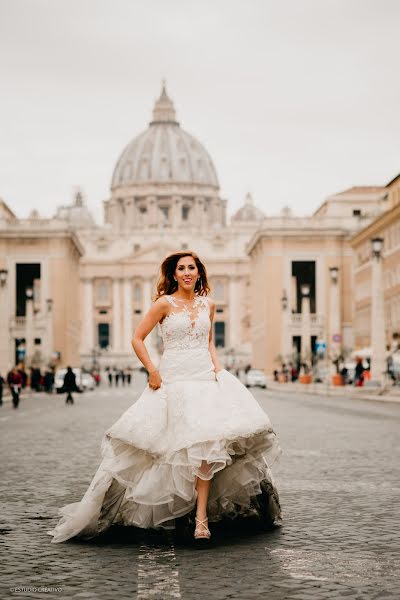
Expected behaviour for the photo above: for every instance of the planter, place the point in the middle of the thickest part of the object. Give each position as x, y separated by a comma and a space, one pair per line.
282, 378
305, 378
337, 379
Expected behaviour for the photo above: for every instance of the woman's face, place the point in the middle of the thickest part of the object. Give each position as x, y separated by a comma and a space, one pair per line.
186, 273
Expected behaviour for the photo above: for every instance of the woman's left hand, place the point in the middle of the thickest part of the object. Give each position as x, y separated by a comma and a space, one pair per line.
217, 370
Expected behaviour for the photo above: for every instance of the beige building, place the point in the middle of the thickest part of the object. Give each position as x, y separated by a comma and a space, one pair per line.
164, 197
387, 228
39, 284
302, 279
280, 282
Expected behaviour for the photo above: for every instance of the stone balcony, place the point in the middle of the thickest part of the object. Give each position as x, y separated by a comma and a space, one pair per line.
18, 326
295, 323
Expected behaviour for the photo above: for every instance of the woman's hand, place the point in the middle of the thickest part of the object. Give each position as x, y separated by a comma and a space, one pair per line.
217, 370
154, 379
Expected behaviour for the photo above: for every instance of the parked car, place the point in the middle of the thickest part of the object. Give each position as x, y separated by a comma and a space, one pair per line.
255, 377
83, 380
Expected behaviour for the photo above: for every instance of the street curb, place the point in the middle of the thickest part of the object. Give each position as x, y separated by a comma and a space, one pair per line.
335, 394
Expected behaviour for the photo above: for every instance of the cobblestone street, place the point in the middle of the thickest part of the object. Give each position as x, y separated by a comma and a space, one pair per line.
339, 480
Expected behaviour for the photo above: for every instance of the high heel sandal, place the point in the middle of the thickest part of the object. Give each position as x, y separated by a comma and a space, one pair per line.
204, 533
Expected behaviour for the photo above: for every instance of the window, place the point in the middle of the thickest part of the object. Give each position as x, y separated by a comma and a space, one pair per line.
219, 291
165, 211
185, 213
137, 292
103, 291
356, 212
103, 335
27, 276
219, 334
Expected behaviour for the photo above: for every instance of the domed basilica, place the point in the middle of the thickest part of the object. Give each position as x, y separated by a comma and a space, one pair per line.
272, 278
164, 197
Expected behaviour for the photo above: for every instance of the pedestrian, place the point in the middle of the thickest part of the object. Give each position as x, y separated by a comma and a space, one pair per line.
359, 373
48, 381
129, 376
1, 390
14, 381
116, 377
35, 379
69, 385
122, 375
109, 375
213, 443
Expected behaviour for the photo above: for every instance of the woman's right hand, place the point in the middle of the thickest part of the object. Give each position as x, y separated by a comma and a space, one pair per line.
154, 380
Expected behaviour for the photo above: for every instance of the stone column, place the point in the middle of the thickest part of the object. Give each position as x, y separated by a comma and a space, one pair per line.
150, 341
127, 318
29, 333
87, 330
335, 336
305, 330
5, 314
116, 316
152, 211
378, 345
177, 212
234, 313
286, 341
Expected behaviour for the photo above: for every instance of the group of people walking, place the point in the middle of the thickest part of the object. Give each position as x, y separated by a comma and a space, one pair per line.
119, 375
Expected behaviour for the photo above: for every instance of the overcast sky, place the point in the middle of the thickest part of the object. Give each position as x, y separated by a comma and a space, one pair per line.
294, 99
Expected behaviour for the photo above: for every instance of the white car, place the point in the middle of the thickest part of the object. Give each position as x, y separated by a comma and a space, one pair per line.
83, 380
256, 377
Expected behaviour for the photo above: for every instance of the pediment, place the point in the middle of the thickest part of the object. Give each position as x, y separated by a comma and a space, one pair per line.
154, 253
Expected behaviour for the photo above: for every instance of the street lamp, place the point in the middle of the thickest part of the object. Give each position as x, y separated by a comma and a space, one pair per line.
334, 273
3, 276
284, 300
378, 337
377, 246
285, 334
29, 293
305, 289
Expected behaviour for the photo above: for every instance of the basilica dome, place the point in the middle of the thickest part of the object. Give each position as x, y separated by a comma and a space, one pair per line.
164, 153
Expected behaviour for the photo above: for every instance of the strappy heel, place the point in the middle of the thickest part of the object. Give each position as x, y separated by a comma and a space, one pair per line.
204, 533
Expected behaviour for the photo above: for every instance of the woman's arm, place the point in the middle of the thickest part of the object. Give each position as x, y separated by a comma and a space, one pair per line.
211, 346
157, 312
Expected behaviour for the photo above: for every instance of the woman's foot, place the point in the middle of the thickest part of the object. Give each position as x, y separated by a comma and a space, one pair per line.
202, 532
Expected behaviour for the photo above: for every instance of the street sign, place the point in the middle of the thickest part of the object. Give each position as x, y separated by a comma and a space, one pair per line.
337, 338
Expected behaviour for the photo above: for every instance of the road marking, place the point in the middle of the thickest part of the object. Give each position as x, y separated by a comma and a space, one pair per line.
158, 575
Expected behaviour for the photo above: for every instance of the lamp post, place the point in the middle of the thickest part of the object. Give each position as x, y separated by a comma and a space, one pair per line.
305, 323
28, 325
49, 329
4, 315
378, 345
286, 348
335, 336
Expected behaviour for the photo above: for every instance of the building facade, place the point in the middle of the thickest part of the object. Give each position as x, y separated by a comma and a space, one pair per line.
72, 291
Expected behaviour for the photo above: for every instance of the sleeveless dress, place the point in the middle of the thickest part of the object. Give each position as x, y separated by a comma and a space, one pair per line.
153, 453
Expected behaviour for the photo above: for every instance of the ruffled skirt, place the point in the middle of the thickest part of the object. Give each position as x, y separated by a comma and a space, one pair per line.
207, 428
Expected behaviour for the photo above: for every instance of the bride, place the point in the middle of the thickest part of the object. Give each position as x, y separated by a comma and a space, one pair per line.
196, 439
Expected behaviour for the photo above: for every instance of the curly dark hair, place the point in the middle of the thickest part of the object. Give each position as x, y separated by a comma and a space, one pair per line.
166, 284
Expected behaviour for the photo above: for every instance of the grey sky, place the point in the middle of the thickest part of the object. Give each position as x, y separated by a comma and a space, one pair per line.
294, 99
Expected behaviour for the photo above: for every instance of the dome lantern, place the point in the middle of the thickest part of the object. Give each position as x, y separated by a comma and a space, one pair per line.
164, 110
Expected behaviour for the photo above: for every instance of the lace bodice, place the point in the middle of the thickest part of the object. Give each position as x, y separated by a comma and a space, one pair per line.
184, 327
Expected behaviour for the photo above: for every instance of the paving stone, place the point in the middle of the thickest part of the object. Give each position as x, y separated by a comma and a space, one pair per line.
339, 480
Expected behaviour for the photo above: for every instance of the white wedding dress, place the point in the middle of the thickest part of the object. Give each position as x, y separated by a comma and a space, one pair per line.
153, 453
